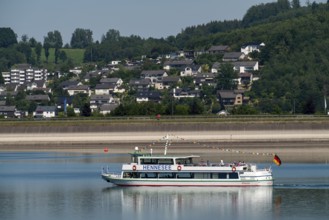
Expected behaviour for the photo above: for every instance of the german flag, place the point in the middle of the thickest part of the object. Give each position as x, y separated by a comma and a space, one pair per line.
277, 160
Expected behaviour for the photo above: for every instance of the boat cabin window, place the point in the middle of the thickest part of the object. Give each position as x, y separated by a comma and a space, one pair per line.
166, 175
182, 175
156, 161
148, 175
222, 175
166, 161
233, 176
228, 176
184, 161
203, 175
149, 161
130, 175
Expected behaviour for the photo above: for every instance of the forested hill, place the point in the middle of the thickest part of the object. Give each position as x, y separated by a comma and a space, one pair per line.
295, 76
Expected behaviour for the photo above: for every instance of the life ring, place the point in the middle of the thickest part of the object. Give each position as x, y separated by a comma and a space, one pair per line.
134, 168
179, 168
233, 169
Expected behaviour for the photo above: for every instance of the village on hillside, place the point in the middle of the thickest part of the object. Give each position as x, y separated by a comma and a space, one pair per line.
107, 93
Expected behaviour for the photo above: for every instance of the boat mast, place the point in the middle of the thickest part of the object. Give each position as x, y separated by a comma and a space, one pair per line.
166, 145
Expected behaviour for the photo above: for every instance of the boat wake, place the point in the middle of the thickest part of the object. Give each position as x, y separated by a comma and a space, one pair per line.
301, 186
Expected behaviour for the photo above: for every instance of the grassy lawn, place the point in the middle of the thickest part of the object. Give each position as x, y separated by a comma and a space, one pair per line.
93, 121
75, 54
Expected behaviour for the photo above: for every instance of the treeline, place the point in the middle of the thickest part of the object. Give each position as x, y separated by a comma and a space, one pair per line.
30, 51
113, 46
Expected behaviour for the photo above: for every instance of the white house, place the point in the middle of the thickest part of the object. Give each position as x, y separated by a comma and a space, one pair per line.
190, 70
76, 70
97, 100
251, 47
153, 75
104, 89
72, 90
45, 112
246, 66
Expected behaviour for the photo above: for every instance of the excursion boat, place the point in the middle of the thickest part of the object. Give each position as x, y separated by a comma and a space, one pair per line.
147, 169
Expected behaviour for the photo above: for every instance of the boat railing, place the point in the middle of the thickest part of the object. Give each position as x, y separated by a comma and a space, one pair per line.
207, 164
266, 169
108, 172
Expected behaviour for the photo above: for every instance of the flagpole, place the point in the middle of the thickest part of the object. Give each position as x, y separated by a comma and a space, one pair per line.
325, 105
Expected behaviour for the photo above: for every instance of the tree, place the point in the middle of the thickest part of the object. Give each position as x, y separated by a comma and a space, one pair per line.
46, 46
81, 38
54, 39
226, 77
33, 42
111, 36
62, 56
2, 81
182, 109
283, 5
309, 107
38, 49
7, 37
10, 56
25, 38
70, 112
79, 100
261, 12
244, 110
85, 110
295, 4
25, 49
196, 106
10, 100
57, 52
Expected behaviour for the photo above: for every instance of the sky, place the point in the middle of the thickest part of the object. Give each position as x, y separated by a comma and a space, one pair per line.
145, 18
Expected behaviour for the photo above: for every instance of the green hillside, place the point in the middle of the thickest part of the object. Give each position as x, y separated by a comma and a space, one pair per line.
295, 76
75, 54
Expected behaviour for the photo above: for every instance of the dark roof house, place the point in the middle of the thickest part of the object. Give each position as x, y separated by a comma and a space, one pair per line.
219, 49
233, 56
7, 111
148, 96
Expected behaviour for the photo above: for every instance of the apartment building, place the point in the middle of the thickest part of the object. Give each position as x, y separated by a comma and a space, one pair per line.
24, 73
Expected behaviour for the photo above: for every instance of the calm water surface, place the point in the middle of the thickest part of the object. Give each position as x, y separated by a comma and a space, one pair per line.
62, 186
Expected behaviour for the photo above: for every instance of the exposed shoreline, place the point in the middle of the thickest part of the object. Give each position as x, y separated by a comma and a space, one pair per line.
307, 145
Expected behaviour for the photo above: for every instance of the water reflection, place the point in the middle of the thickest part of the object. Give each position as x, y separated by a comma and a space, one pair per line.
192, 203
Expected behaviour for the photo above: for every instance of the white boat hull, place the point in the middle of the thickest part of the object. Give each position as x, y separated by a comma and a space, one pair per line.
117, 180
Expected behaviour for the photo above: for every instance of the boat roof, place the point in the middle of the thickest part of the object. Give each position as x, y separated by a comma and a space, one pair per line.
157, 156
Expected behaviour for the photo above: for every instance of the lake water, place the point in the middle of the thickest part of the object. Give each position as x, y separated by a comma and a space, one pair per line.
42, 186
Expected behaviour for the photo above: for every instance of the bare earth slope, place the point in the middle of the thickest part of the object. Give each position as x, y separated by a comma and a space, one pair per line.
293, 141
